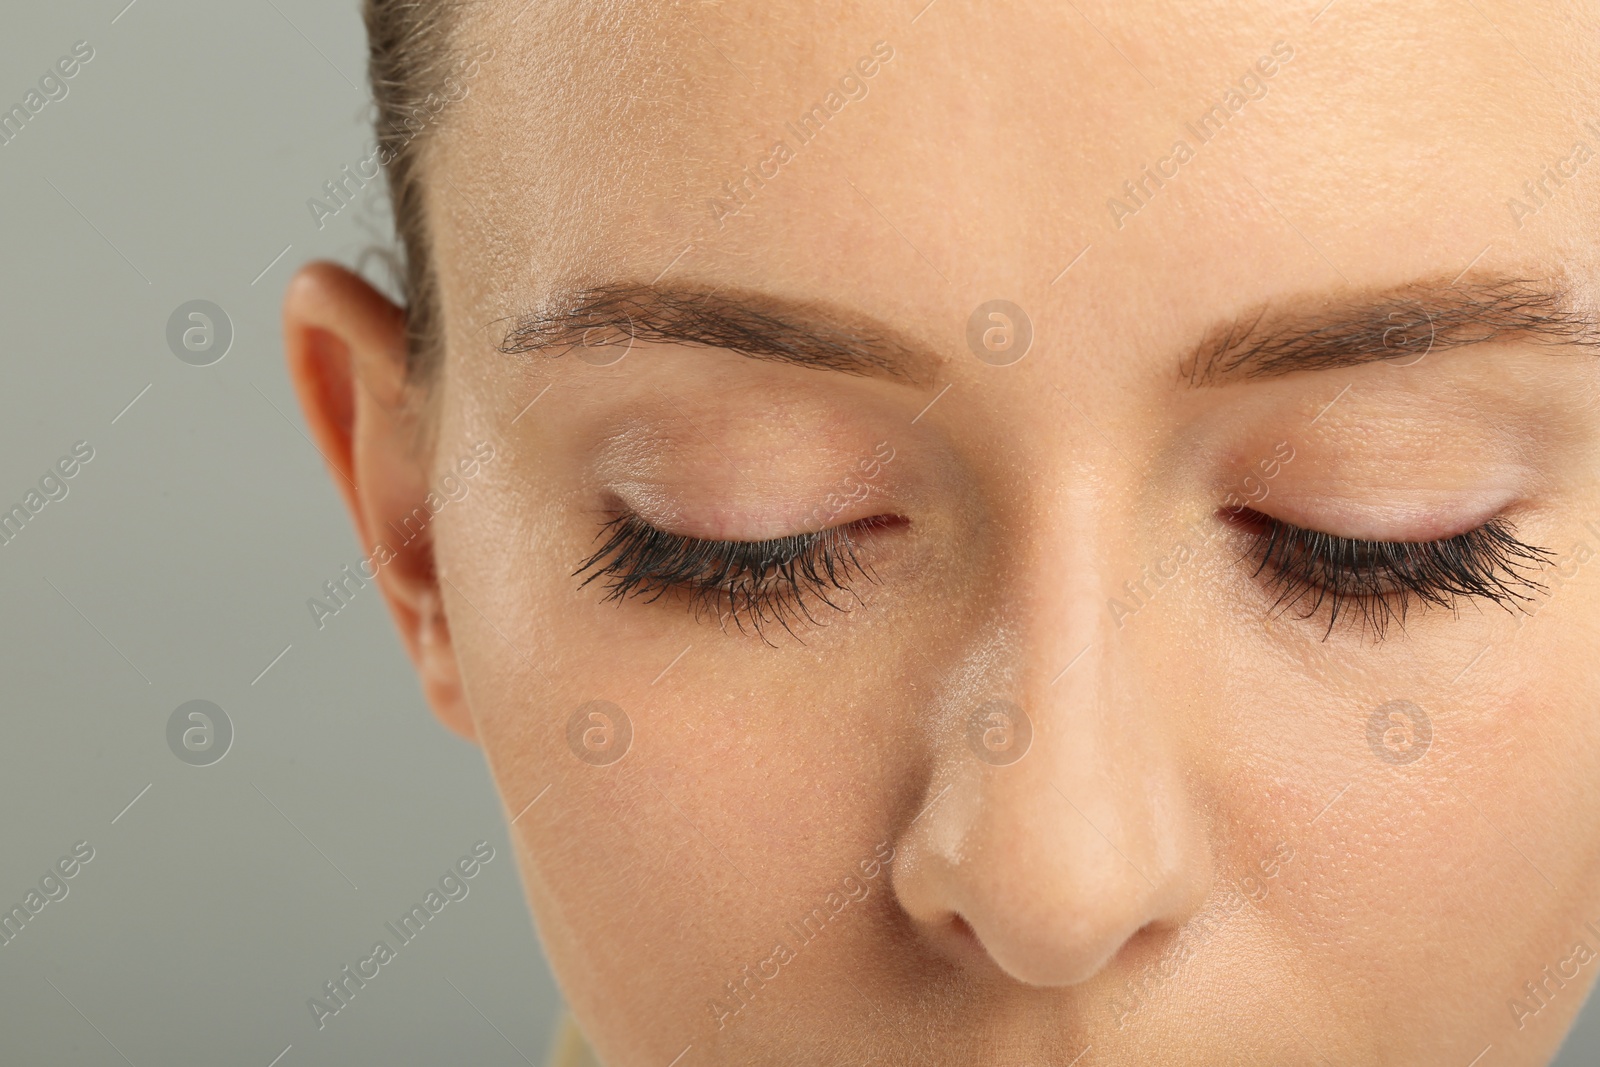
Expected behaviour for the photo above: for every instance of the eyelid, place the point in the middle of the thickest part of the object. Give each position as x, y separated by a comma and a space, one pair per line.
751, 510
1380, 579
754, 582
1408, 514
735, 525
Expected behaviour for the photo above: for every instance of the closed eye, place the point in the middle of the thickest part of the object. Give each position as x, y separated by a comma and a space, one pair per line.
755, 583
1378, 582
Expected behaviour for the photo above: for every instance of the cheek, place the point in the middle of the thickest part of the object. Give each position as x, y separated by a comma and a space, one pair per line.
1423, 855
1471, 866
660, 861
688, 858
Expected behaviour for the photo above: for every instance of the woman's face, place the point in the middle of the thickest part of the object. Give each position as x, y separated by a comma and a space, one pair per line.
1188, 397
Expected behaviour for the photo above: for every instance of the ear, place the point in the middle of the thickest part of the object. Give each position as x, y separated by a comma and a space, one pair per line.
346, 345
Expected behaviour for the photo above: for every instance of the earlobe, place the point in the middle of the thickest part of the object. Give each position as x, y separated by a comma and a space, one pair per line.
346, 347
437, 666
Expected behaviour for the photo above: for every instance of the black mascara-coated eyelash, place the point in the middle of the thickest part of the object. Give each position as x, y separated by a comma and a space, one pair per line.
1379, 580
755, 583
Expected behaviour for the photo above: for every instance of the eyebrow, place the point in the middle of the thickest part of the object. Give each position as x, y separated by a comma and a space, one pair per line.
760, 326
1400, 324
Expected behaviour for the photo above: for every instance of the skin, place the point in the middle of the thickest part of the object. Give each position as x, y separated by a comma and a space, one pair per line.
1202, 857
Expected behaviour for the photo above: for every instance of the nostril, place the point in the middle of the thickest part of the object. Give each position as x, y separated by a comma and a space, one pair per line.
961, 942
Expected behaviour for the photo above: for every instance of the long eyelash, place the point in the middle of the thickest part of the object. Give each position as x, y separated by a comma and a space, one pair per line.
755, 583
1380, 580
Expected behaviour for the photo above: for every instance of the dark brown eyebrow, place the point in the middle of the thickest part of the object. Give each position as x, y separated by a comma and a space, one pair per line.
1399, 324
761, 326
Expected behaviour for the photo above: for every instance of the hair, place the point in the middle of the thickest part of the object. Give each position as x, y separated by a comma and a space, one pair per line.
410, 48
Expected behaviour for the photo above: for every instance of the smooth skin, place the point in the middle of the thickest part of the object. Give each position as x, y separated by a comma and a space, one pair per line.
1204, 856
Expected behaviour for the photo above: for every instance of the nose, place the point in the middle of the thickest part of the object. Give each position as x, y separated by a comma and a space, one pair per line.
1064, 832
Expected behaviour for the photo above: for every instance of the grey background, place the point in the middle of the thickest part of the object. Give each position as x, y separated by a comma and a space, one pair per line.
189, 544
178, 567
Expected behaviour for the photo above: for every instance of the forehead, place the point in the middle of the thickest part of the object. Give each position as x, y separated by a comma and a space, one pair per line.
1183, 164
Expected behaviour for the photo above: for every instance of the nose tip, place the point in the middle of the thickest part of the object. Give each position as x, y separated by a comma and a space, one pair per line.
1045, 917
1031, 951
1014, 872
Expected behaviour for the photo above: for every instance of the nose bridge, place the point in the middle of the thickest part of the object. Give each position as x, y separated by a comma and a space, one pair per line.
1106, 753
1107, 747
1099, 799
1081, 679
1069, 829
